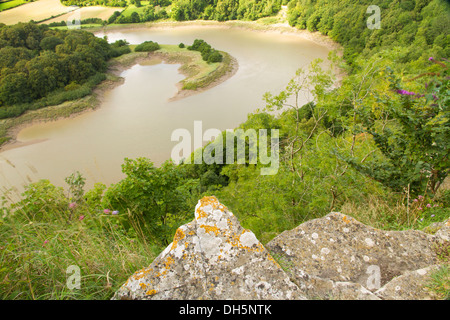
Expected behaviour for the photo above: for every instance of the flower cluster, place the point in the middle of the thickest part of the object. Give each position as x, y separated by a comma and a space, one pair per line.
107, 211
404, 92
74, 205
418, 95
420, 201
424, 208
410, 93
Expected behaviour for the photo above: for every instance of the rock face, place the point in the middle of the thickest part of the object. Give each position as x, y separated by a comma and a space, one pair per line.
405, 286
334, 257
322, 255
212, 257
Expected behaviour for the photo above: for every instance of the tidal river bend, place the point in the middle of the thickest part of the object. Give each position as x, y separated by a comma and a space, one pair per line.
136, 119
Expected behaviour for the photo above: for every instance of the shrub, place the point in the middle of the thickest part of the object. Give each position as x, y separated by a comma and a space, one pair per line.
208, 53
147, 46
113, 17
215, 56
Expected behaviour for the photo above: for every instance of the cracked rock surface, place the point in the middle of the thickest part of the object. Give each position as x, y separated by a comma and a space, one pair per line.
333, 257
338, 257
212, 257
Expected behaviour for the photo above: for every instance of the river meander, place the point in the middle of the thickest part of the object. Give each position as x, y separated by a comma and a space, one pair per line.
136, 119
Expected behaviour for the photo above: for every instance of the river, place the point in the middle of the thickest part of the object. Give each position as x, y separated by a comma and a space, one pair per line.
136, 119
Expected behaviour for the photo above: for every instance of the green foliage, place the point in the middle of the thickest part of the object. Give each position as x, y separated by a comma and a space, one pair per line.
410, 24
324, 169
37, 63
114, 17
223, 10
181, 10
414, 137
214, 56
43, 235
440, 281
72, 91
120, 47
63, 23
76, 184
147, 46
208, 53
82, 3
41, 200
157, 198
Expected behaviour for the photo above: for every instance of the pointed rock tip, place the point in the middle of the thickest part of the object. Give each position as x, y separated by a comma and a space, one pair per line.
207, 206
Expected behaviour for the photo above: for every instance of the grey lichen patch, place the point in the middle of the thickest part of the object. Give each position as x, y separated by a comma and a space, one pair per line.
410, 285
334, 257
338, 248
212, 257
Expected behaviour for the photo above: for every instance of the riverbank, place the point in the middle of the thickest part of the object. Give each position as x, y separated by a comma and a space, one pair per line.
258, 26
200, 76
197, 80
10, 128
264, 25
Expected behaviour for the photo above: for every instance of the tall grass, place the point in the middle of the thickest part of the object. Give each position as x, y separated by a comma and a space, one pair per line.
396, 212
41, 238
47, 232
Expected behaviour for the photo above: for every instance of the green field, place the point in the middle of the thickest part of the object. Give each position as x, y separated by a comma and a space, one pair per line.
11, 4
132, 8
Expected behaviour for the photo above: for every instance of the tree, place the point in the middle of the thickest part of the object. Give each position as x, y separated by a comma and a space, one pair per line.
113, 17
50, 43
410, 129
135, 17
215, 56
147, 46
9, 56
417, 148
14, 89
155, 197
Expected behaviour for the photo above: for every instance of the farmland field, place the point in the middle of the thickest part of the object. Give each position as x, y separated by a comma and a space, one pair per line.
132, 8
4, 5
89, 12
38, 10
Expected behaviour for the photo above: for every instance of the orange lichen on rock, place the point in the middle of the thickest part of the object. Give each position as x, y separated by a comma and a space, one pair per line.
201, 214
159, 274
141, 273
235, 241
213, 229
200, 256
178, 236
206, 201
151, 292
212, 202
346, 220
142, 285
168, 262
270, 258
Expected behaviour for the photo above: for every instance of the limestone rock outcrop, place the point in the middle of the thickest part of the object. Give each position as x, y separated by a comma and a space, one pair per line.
333, 257
327, 255
212, 257
412, 285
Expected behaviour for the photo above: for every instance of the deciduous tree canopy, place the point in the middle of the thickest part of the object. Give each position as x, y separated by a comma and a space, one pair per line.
36, 61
